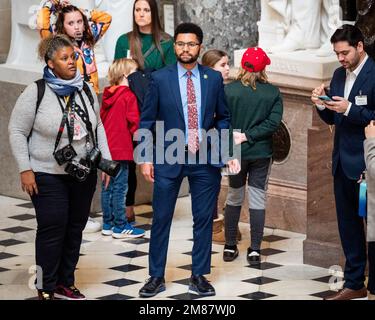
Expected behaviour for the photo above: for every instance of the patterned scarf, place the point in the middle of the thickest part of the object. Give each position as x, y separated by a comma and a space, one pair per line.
60, 86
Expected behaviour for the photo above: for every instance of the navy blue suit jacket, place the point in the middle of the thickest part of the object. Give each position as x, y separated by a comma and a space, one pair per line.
349, 130
163, 103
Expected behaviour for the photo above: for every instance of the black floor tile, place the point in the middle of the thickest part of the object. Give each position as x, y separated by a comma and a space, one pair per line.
26, 205
23, 217
269, 252
4, 255
323, 294
3, 269
273, 238
183, 281
17, 229
138, 240
143, 226
10, 242
265, 266
185, 296
257, 295
260, 280
326, 279
121, 282
127, 268
132, 254
116, 296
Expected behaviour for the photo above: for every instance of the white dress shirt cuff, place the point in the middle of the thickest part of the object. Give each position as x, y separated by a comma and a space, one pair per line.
346, 113
321, 107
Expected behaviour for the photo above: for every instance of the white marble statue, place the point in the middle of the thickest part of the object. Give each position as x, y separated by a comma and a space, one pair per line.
122, 22
297, 25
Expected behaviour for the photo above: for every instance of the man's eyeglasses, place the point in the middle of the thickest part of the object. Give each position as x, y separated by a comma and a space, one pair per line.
181, 45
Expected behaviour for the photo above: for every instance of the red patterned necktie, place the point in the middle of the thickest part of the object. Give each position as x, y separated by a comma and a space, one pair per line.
193, 137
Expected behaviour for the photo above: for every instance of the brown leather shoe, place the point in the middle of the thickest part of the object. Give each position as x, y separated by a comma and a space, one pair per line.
348, 294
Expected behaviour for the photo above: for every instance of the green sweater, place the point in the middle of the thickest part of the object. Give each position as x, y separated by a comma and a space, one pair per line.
154, 59
257, 113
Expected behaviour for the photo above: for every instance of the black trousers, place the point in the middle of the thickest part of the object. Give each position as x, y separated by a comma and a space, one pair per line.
132, 184
62, 208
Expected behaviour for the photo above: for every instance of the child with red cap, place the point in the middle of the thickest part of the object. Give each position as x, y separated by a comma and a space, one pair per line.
256, 110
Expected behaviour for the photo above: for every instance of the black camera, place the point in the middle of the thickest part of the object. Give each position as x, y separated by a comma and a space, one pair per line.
65, 154
78, 170
110, 167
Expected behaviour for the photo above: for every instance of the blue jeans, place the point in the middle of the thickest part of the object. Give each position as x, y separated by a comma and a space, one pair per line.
113, 198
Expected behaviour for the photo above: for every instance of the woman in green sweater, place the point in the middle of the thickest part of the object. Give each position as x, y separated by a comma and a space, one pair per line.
256, 109
152, 49
147, 43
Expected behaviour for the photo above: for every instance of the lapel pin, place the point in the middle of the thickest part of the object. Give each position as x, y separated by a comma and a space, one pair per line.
205, 76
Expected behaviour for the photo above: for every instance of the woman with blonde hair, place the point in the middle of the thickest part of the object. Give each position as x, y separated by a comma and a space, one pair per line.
256, 110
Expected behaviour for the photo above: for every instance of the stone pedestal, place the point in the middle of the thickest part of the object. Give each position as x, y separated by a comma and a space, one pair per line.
300, 193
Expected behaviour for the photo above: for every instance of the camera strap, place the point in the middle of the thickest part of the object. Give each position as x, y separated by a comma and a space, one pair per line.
67, 119
84, 115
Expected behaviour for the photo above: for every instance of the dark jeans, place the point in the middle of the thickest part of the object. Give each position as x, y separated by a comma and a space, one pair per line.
132, 184
113, 204
62, 208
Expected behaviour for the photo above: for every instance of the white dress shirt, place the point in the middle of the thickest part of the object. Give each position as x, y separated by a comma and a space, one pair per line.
351, 77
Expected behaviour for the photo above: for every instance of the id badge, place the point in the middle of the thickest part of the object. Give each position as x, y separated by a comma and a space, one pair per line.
361, 100
79, 129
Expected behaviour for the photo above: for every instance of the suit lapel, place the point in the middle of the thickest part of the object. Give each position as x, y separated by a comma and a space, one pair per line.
362, 77
204, 91
175, 86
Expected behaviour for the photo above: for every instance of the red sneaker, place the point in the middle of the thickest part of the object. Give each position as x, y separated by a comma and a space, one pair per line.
68, 293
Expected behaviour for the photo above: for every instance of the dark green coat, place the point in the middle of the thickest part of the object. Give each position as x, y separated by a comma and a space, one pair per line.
257, 113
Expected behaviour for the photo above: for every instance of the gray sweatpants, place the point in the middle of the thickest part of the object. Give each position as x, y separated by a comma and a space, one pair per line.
256, 173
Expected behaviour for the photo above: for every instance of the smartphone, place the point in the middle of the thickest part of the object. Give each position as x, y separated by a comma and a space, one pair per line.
324, 98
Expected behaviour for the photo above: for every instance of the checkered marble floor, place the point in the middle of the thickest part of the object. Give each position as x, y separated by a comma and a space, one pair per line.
111, 269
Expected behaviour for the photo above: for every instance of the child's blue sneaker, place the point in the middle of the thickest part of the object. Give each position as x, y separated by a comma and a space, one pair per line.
128, 231
107, 229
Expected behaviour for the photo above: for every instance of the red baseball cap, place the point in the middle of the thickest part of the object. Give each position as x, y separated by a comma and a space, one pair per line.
255, 60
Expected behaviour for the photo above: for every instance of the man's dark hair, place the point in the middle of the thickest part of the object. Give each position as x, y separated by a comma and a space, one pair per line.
188, 27
349, 33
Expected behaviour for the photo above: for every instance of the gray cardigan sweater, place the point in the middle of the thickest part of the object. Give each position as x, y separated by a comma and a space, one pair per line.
37, 153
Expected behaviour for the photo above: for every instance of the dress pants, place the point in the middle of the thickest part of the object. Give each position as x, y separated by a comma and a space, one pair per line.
351, 229
204, 181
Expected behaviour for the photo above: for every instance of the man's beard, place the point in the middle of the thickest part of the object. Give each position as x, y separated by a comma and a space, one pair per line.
189, 61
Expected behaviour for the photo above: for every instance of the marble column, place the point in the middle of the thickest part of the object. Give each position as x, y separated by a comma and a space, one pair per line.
227, 24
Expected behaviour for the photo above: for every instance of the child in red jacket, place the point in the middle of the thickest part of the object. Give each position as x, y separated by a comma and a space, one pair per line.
120, 116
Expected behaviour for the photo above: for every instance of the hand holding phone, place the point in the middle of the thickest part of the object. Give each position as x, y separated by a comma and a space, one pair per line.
324, 98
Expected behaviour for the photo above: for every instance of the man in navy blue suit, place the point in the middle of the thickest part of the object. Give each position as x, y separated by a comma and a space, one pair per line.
190, 98
351, 108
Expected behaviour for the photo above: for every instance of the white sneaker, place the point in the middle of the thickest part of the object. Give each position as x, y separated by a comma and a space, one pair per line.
92, 226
